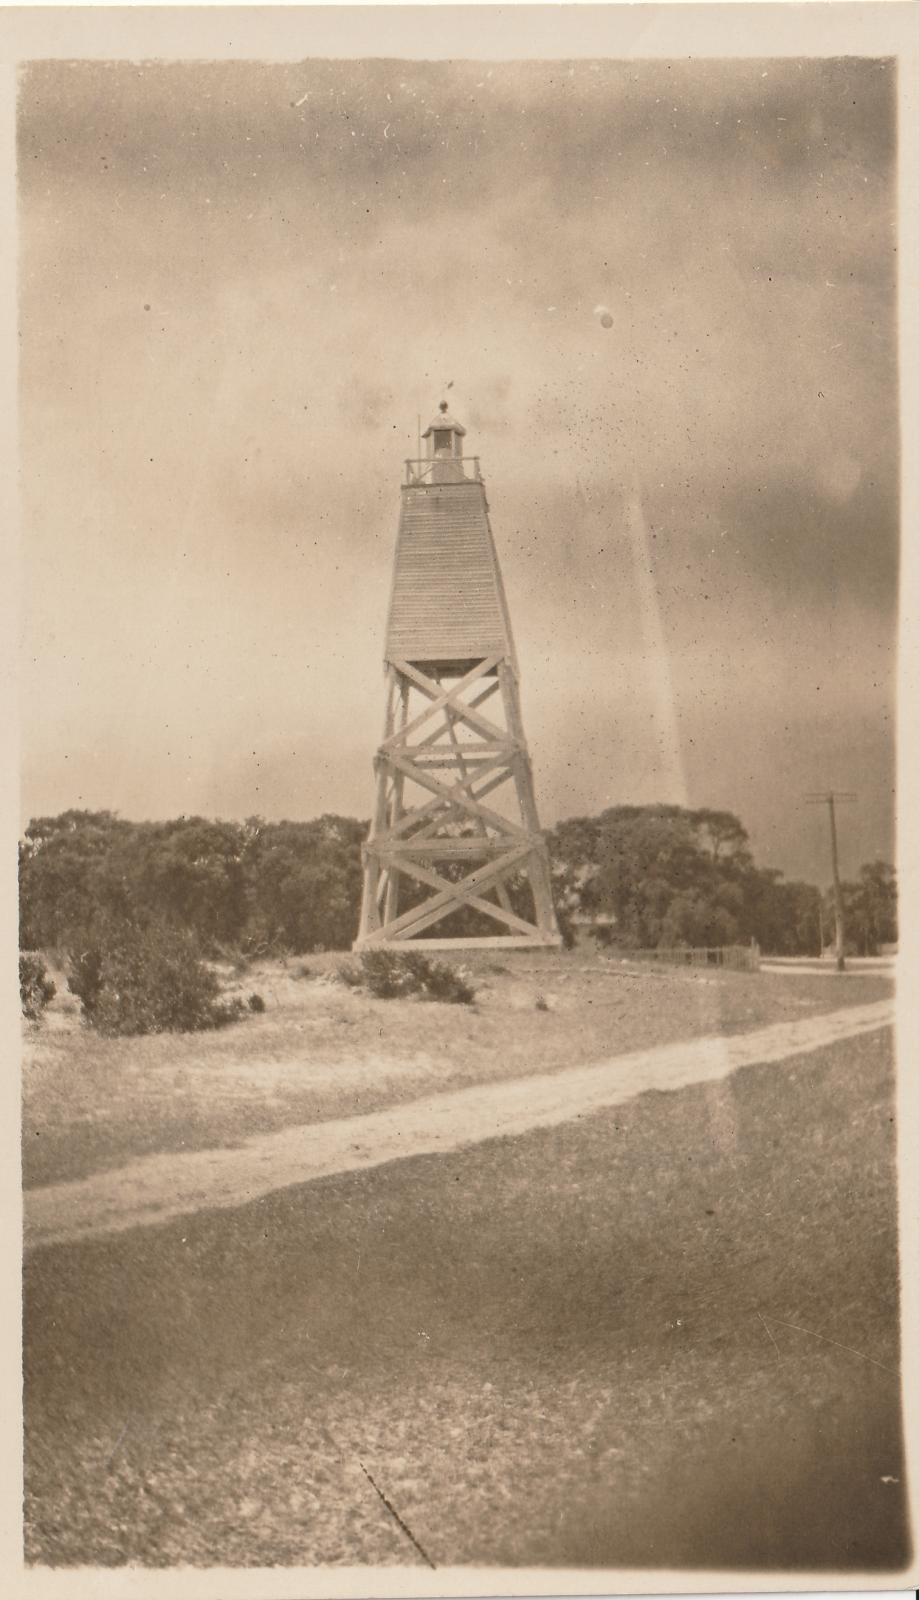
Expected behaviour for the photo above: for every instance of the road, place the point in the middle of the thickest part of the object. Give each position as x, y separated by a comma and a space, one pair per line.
155, 1188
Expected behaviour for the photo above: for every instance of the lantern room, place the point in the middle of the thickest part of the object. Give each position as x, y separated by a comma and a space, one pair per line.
444, 440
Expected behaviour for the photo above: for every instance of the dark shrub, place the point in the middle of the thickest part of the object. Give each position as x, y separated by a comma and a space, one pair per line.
132, 980
256, 1003
35, 987
390, 975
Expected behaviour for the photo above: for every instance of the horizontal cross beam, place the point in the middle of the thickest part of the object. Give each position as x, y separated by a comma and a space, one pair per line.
497, 941
442, 849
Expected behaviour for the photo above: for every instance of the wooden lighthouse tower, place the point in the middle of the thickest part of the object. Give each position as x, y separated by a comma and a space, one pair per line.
455, 857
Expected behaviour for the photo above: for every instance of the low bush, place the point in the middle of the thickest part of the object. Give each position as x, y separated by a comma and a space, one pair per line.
390, 975
440, 981
35, 987
84, 965
256, 1003
132, 980
352, 977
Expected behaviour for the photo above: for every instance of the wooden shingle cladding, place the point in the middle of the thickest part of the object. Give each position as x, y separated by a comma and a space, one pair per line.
447, 604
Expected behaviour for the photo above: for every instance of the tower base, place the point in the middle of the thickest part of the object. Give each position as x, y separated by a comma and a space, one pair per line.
437, 856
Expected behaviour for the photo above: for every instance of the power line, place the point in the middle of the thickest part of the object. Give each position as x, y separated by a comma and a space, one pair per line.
830, 798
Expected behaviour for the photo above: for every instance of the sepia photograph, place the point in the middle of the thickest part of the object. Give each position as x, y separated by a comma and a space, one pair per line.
459, 463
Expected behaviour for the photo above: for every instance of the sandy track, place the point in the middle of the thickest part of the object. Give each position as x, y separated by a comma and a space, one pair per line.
159, 1187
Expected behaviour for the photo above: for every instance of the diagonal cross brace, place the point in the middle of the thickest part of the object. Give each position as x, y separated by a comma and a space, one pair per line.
460, 794
433, 880
438, 809
441, 697
431, 910
479, 700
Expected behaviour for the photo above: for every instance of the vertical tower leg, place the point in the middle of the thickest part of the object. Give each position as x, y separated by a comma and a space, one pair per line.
370, 911
393, 881
538, 864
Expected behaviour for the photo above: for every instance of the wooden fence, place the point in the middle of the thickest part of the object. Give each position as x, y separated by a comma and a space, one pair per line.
738, 957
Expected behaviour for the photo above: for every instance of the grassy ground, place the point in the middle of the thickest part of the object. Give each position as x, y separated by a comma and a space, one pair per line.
584, 1346
321, 1051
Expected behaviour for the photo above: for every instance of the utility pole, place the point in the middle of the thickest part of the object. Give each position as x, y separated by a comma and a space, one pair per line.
829, 799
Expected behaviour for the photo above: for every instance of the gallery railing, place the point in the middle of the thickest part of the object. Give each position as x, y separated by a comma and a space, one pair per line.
443, 469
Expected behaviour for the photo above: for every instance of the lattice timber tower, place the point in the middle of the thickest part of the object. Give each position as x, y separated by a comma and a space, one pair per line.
443, 869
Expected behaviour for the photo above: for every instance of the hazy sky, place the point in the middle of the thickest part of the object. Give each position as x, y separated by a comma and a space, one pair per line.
241, 283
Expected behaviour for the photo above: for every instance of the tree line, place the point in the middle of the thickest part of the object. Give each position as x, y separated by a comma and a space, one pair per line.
253, 886
646, 876
666, 876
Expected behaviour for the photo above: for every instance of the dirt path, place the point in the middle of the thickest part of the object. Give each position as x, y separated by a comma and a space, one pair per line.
156, 1188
